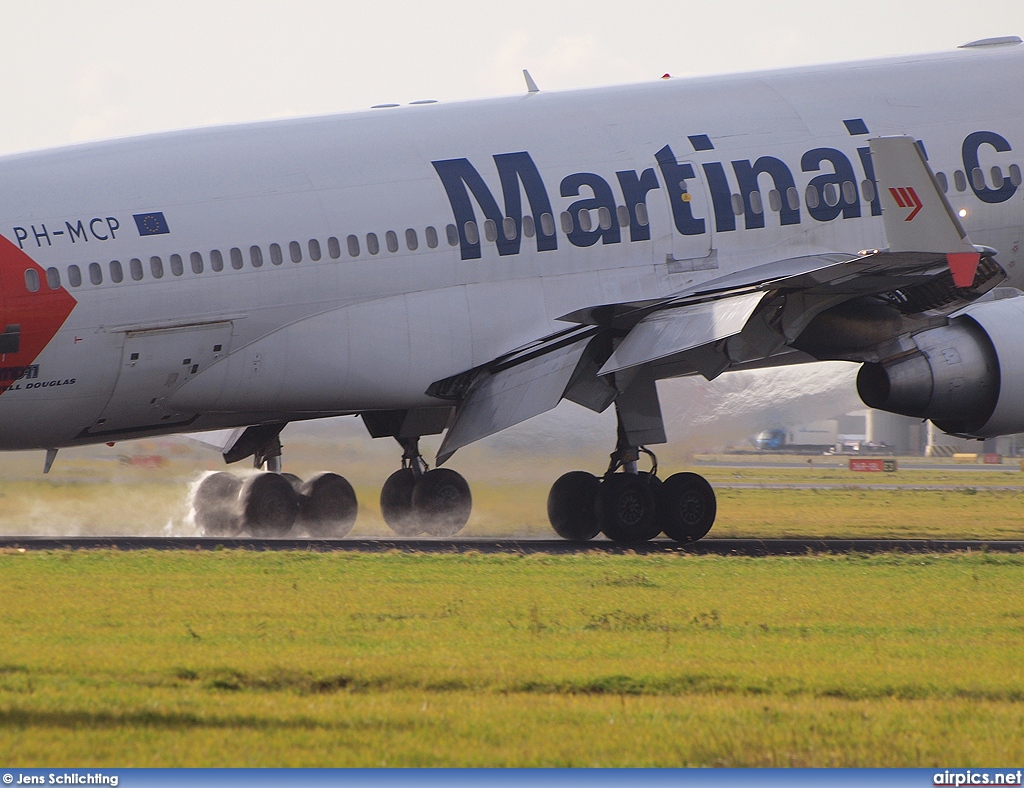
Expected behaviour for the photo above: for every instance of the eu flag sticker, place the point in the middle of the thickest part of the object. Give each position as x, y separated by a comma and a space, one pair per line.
151, 223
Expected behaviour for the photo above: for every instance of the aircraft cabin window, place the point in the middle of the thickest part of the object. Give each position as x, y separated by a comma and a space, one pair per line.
641, 214
831, 194
53, 278
775, 200
508, 228
943, 181
622, 214
176, 266
566, 222
135, 267
867, 188
95, 273
197, 262
236, 258
978, 178
849, 192
1015, 175
392, 240
116, 272
372, 244
490, 230
793, 198
156, 265
74, 277
431, 234
333, 248
295, 251
256, 256
997, 178
32, 279
216, 260
452, 232
529, 229
960, 181
314, 249
353, 246
811, 197
275, 254
411, 241
755, 202
586, 223
547, 224
604, 218
737, 205
472, 234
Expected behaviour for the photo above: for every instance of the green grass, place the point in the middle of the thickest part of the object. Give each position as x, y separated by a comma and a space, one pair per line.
246, 659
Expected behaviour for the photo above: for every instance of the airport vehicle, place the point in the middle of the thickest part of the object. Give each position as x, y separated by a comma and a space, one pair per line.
462, 267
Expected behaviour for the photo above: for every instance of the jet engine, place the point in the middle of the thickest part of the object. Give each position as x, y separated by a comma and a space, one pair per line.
967, 376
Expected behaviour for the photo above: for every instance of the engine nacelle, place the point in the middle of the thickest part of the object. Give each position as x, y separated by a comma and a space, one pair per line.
967, 377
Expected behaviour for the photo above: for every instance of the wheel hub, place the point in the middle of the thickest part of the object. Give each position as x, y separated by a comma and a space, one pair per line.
691, 509
630, 508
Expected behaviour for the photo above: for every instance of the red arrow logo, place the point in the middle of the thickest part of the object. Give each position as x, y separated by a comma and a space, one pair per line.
906, 197
36, 313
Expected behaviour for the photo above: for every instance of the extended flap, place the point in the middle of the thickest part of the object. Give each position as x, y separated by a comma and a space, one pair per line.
499, 400
671, 331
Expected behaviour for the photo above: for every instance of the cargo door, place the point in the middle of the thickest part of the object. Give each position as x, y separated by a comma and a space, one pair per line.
154, 364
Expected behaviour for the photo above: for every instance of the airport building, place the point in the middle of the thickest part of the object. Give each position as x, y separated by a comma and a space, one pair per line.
902, 435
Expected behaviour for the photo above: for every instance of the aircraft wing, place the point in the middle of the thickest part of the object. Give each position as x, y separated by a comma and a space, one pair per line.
929, 269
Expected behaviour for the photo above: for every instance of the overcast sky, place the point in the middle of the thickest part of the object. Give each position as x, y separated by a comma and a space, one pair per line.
75, 71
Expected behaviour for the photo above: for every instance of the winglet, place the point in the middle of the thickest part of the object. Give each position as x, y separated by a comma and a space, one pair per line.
531, 86
916, 214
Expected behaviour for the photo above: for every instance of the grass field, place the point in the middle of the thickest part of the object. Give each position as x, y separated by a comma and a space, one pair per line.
244, 659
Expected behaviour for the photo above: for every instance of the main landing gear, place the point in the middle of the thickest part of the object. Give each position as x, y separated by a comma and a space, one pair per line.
628, 505
274, 504
416, 500
631, 506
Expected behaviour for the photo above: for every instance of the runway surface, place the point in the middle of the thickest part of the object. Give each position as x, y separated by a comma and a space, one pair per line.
853, 485
842, 464
738, 547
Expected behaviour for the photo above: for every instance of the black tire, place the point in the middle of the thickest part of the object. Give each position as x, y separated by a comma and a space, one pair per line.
625, 507
328, 506
268, 504
215, 502
396, 503
686, 507
294, 480
571, 506
442, 502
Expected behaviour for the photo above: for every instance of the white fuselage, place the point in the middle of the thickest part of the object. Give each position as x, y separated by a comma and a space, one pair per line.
349, 330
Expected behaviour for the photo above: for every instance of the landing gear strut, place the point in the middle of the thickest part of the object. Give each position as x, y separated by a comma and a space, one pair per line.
396, 494
416, 500
268, 455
